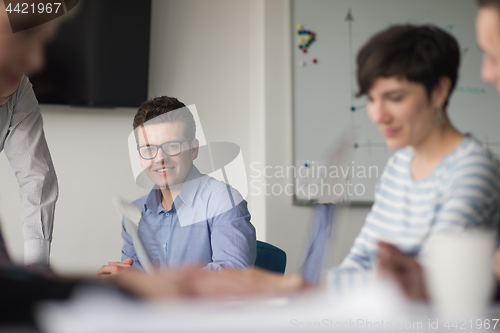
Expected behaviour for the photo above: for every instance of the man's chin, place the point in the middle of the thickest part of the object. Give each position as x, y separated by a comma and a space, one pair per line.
168, 185
162, 183
162, 186
165, 182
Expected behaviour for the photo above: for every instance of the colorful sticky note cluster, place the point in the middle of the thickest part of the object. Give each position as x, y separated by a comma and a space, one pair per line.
310, 37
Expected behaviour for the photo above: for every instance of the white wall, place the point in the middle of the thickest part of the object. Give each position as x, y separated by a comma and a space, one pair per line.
229, 57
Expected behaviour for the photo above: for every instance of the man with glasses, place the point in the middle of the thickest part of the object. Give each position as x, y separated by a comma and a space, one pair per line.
188, 218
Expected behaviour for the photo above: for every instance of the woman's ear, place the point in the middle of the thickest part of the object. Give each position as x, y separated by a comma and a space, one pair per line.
441, 92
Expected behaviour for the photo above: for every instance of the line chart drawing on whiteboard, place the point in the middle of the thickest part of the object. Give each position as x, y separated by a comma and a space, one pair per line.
357, 145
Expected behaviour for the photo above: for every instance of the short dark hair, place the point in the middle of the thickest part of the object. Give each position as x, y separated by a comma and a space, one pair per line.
489, 3
421, 54
159, 110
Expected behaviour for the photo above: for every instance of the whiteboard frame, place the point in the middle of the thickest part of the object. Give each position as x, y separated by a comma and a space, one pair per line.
469, 111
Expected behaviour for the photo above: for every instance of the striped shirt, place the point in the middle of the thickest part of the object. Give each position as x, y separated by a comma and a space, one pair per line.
461, 192
23, 139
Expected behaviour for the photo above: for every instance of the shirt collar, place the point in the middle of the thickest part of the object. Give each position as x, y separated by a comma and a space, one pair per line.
186, 194
190, 186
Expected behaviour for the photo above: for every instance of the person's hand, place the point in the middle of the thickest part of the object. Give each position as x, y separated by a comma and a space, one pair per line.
115, 269
404, 269
194, 282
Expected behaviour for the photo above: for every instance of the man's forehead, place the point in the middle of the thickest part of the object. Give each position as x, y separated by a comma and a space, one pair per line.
168, 131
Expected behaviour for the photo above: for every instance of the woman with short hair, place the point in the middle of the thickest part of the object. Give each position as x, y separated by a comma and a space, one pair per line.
439, 180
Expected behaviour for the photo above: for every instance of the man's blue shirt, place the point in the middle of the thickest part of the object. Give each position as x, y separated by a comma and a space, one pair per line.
208, 224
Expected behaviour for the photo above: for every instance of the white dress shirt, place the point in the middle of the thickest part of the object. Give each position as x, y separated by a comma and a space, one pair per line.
23, 139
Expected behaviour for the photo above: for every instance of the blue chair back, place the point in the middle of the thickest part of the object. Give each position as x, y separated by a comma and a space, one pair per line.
270, 257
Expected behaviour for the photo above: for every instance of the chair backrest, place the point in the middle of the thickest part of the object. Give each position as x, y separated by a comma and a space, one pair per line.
270, 257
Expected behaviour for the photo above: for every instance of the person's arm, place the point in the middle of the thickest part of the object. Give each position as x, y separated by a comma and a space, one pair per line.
196, 282
232, 236
28, 154
128, 249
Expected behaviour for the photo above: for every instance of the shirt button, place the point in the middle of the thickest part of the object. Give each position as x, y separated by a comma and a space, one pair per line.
164, 246
167, 214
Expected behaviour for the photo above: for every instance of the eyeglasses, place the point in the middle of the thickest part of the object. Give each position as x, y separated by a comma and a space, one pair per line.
171, 148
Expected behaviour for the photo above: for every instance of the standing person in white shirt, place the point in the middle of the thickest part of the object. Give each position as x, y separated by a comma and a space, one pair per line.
22, 136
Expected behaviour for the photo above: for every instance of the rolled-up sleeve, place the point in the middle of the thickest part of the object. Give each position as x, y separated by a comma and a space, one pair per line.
28, 154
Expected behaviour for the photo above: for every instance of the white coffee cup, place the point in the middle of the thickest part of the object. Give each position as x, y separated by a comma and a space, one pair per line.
459, 273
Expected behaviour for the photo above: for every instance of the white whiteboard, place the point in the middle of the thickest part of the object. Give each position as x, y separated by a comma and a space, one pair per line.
322, 92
